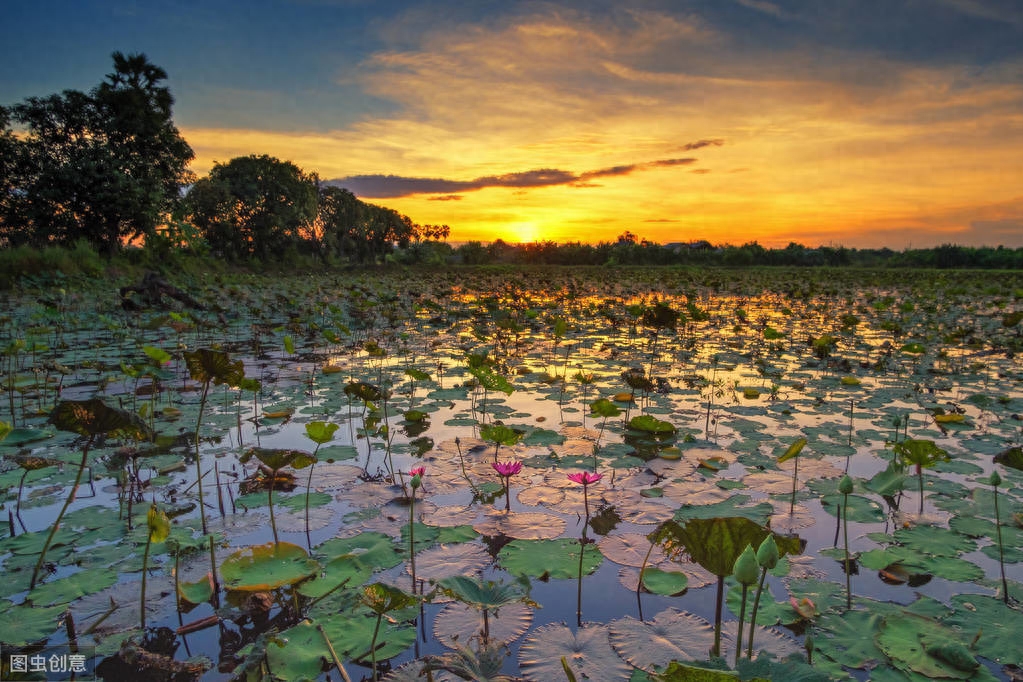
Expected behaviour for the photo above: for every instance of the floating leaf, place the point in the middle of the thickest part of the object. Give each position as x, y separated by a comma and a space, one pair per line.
548, 558
668, 583
650, 424
22, 625
586, 650
670, 635
266, 567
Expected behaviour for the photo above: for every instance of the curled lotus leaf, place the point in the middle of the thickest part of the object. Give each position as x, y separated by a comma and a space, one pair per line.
320, 432
93, 417
366, 392
215, 366
278, 458
486, 594
716, 543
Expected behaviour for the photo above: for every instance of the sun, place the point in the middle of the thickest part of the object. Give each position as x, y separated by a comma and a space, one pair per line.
522, 232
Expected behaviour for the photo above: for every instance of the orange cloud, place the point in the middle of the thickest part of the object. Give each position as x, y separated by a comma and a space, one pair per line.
832, 149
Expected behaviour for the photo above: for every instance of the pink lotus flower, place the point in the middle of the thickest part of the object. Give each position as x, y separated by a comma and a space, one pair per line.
507, 469
417, 471
804, 607
585, 477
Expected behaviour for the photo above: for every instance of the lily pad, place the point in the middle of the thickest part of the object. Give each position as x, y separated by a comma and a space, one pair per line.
548, 558
587, 652
266, 567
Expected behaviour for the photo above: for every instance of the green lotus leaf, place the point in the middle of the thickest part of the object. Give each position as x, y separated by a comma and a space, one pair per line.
485, 594
373, 550
320, 432
1012, 457
22, 624
93, 417
680, 672
491, 380
261, 568
65, 590
499, 433
995, 625
792, 450
845, 638
278, 458
381, 598
716, 543
917, 644
346, 567
667, 583
417, 374
604, 408
366, 392
198, 592
858, 509
207, 365
548, 558
650, 424
22, 436
923, 453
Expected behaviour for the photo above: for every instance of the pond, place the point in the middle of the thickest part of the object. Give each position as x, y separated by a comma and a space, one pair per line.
489, 472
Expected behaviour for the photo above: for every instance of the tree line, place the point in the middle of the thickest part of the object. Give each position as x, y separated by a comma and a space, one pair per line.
109, 167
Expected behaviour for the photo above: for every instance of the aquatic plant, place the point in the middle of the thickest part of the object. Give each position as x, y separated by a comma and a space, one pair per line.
506, 470
845, 487
158, 526
767, 558
91, 418
921, 454
745, 572
209, 367
276, 459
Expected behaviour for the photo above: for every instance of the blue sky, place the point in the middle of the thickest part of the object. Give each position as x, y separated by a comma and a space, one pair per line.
863, 122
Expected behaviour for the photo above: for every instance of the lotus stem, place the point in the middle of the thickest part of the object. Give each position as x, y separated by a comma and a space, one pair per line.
220, 493
642, 569
270, 499
412, 539
845, 539
333, 654
213, 574
308, 488
145, 569
753, 616
742, 620
63, 510
579, 583
1001, 555
198, 460
716, 651
373, 646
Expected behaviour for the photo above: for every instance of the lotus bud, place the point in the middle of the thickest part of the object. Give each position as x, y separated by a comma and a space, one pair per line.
995, 479
746, 570
845, 486
767, 553
416, 481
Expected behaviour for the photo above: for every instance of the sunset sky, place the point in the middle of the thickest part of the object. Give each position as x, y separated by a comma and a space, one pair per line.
865, 123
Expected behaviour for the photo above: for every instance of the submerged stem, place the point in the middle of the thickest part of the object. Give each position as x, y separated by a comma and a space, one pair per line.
63, 510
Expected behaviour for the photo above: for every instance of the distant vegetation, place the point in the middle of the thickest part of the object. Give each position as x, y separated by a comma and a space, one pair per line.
86, 177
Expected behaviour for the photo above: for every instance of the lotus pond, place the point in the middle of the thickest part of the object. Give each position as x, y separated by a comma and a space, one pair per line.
538, 474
